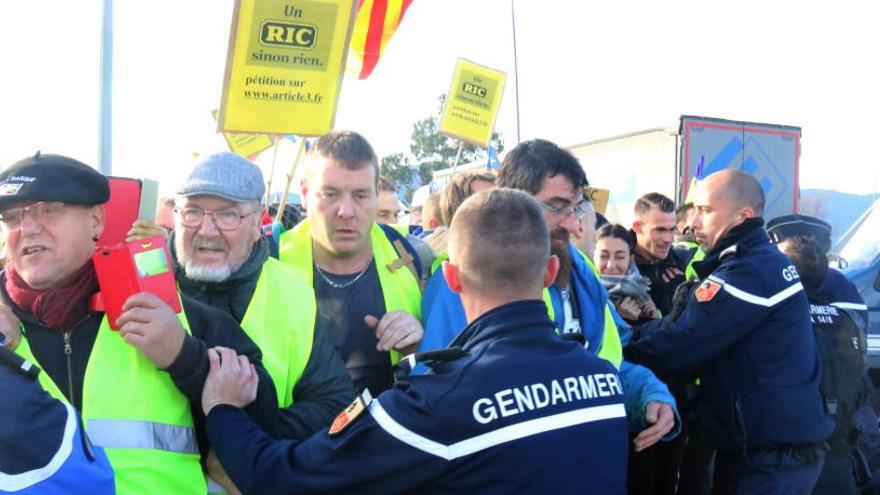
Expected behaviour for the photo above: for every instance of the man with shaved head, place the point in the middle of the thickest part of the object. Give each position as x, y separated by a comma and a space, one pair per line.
745, 331
511, 406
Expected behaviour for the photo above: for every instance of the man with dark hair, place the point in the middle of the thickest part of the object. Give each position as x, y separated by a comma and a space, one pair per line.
656, 258
684, 215
835, 286
578, 303
663, 266
509, 392
684, 238
745, 331
365, 275
389, 205
838, 317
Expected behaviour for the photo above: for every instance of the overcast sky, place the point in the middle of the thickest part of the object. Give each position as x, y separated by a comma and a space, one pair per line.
587, 70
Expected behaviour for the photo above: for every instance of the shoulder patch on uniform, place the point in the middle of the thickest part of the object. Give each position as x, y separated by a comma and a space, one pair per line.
707, 290
350, 414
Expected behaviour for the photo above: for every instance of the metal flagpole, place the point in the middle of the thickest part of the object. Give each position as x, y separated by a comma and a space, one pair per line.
515, 68
105, 120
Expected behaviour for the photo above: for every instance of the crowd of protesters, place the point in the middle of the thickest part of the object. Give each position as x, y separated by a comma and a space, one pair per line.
504, 338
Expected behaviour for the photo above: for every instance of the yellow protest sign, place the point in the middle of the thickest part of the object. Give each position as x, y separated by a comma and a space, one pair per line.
472, 103
246, 144
284, 66
599, 198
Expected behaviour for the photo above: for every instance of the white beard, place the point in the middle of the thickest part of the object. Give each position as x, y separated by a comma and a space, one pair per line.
196, 272
205, 274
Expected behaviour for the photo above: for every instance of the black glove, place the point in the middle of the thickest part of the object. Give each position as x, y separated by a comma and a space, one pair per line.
680, 297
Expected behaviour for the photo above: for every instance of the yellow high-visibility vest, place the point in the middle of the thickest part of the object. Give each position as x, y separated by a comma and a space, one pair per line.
280, 319
136, 413
400, 287
611, 349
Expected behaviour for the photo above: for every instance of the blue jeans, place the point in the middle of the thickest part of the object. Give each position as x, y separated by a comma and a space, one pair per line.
784, 471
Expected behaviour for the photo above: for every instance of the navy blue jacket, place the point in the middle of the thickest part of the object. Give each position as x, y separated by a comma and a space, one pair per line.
746, 331
843, 294
522, 410
42, 445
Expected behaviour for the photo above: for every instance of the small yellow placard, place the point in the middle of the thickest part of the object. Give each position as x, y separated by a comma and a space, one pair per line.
246, 144
284, 66
472, 103
599, 198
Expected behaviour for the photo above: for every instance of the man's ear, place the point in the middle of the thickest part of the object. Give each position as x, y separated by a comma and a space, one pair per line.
257, 231
551, 270
97, 220
433, 224
303, 192
746, 212
452, 274
637, 227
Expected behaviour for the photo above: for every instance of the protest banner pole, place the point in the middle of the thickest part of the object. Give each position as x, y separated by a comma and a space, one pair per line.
457, 156
283, 202
272, 173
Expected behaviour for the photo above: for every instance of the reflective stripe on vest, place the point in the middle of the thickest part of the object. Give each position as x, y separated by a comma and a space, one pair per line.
132, 434
280, 319
400, 289
123, 387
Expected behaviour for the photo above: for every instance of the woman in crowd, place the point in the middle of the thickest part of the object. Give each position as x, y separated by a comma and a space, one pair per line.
614, 255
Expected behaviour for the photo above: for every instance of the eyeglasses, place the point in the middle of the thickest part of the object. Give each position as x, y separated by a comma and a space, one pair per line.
223, 219
563, 213
43, 213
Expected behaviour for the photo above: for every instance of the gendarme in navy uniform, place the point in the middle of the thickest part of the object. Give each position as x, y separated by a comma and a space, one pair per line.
838, 316
42, 446
512, 407
745, 331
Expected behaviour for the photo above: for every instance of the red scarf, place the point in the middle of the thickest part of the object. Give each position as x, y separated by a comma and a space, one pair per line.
60, 308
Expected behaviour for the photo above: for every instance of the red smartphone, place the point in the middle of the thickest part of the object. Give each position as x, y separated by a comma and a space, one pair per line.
128, 268
130, 199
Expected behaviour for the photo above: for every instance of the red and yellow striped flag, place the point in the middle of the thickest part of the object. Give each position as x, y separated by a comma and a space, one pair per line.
375, 24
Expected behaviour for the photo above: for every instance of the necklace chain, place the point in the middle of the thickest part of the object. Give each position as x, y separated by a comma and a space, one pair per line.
337, 285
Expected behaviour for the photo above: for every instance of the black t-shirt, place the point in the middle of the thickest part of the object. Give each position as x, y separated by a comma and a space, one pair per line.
340, 314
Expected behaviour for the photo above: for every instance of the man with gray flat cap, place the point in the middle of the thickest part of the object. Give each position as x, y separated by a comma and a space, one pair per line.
221, 258
133, 387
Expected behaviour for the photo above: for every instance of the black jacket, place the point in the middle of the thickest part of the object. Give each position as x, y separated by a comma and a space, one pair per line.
324, 388
662, 291
209, 327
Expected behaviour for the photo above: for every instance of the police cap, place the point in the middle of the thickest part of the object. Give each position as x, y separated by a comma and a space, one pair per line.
784, 227
52, 178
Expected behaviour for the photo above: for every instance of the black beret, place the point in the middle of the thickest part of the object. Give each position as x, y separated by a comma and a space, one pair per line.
52, 178
784, 227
